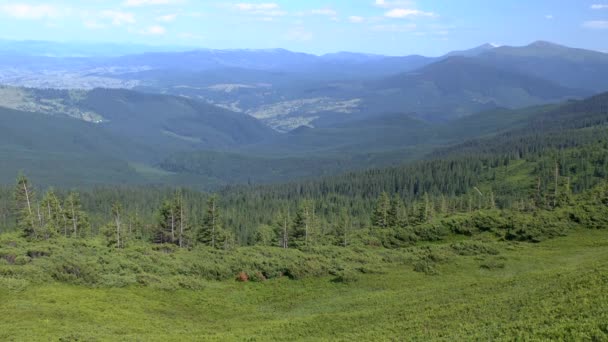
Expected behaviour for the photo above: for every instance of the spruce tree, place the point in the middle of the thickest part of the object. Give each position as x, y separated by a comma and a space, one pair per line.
24, 197
77, 220
53, 218
303, 225
211, 229
380, 216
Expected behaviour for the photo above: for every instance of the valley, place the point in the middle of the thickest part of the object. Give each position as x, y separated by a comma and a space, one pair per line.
172, 192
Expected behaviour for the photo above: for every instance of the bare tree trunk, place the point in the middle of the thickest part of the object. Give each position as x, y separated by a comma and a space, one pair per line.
65, 221
117, 219
39, 215
285, 237
172, 226
27, 198
213, 225
556, 178
306, 226
181, 222
74, 220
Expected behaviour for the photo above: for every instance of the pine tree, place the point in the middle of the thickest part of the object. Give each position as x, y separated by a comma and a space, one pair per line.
396, 217
282, 229
53, 218
211, 229
118, 226
303, 225
380, 217
77, 220
24, 197
167, 222
172, 224
343, 228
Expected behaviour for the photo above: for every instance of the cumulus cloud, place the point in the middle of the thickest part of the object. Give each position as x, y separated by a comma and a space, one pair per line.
298, 34
138, 3
394, 28
262, 9
118, 18
167, 18
393, 3
596, 24
355, 19
324, 11
30, 12
154, 30
405, 13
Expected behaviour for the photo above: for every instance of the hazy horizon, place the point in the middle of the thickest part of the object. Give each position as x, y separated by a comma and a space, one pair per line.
395, 28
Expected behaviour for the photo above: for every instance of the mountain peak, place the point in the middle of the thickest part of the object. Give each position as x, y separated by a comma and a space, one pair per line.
544, 44
472, 52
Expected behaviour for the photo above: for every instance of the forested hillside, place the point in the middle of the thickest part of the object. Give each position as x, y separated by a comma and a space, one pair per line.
553, 153
501, 196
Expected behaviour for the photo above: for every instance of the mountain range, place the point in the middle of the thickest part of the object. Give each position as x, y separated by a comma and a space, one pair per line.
218, 117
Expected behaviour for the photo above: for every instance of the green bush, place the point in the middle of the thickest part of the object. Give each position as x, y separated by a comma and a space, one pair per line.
473, 248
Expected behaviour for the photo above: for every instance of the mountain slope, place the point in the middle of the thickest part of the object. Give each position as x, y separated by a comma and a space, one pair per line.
570, 67
64, 151
460, 86
161, 119
165, 123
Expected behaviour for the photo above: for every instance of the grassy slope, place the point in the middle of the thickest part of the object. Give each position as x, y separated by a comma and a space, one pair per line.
552, 290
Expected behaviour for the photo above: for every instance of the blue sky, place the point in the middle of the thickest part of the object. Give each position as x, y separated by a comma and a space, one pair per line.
394, 27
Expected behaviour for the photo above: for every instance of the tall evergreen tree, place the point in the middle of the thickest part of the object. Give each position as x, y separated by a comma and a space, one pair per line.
172, 224
77, 220
380, 217
24, 199
303, 225
53, 218
211, 229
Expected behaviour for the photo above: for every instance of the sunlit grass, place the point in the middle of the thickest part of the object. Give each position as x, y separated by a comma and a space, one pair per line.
552, 290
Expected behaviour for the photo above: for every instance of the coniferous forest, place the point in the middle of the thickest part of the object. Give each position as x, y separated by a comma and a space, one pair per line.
155, 189
466, 214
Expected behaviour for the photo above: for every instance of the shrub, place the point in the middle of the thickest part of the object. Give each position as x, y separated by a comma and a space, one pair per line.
492, 264
22, 260
473, 248
346, 276
426, 267
430, 232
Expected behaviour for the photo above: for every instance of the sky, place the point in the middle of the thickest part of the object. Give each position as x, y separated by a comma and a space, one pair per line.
389, 27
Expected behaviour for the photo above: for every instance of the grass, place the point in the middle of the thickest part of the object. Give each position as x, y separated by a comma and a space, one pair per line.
553, 290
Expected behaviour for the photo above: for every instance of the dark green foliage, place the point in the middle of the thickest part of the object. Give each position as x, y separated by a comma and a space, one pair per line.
211, 232
24, 200
173, 226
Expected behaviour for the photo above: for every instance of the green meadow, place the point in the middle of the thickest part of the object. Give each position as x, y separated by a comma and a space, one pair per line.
554, 290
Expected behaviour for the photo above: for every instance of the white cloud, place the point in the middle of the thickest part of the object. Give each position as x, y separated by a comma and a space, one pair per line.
324, 11
30, 12
394, 28
190, 36
298, 34
118, 18
355, 19
137, 3
599, 6
393, 3
256, 7
154, 30
167, 18
596, 24
549, 16
405, 13
263, 9
93, 25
